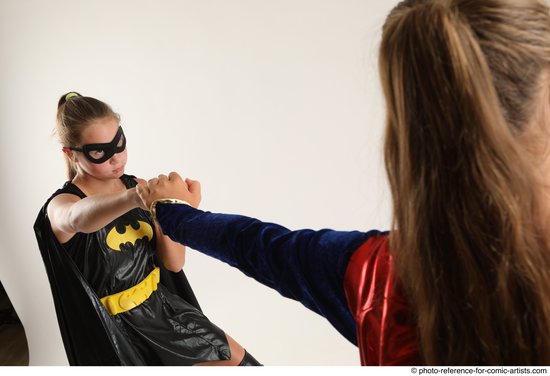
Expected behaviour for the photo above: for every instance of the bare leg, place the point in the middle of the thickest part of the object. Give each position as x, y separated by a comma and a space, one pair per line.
237, 354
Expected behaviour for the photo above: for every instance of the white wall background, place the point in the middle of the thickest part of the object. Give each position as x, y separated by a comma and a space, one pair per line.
274, 105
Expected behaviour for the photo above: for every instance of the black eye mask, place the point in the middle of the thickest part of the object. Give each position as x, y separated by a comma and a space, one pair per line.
99, 153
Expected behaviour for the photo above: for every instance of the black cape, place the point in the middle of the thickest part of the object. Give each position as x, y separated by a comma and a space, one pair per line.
90, 334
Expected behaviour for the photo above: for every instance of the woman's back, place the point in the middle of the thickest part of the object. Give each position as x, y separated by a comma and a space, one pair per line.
467, 96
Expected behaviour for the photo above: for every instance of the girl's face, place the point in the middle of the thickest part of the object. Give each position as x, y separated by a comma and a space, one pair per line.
101, 131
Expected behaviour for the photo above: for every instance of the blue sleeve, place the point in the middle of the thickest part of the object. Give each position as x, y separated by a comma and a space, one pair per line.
306, 265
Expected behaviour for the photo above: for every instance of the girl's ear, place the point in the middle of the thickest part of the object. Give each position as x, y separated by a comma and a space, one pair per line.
68, 152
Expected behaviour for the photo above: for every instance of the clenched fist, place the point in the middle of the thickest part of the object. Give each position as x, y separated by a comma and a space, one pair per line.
171, 186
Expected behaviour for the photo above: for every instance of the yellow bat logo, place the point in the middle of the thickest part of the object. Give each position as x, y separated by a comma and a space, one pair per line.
130, 235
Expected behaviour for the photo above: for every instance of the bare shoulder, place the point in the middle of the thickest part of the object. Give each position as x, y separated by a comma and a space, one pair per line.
62, 200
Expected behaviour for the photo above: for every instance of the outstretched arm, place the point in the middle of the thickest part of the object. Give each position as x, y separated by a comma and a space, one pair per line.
70, 214
306, 265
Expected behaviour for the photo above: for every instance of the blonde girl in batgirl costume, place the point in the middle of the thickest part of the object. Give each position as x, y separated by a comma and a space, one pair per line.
110, 266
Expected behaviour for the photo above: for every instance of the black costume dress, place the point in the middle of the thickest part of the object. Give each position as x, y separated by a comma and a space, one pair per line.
166, 329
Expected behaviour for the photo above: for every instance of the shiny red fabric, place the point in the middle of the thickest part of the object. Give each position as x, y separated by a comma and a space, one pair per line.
386, 331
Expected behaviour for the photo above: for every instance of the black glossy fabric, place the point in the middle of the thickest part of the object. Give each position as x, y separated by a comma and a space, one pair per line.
249, 361
164, 330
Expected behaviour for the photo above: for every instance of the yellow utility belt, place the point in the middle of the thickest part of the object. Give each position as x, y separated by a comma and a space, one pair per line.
130, 298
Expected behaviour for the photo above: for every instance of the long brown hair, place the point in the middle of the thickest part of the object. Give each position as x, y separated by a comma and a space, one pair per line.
463, 81
74, 112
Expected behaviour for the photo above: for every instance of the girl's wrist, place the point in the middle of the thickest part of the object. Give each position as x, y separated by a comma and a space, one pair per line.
134, 198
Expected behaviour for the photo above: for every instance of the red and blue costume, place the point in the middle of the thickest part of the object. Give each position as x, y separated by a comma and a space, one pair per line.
346, 277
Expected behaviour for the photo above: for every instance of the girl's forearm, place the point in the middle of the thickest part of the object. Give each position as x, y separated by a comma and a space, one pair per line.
94, 212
